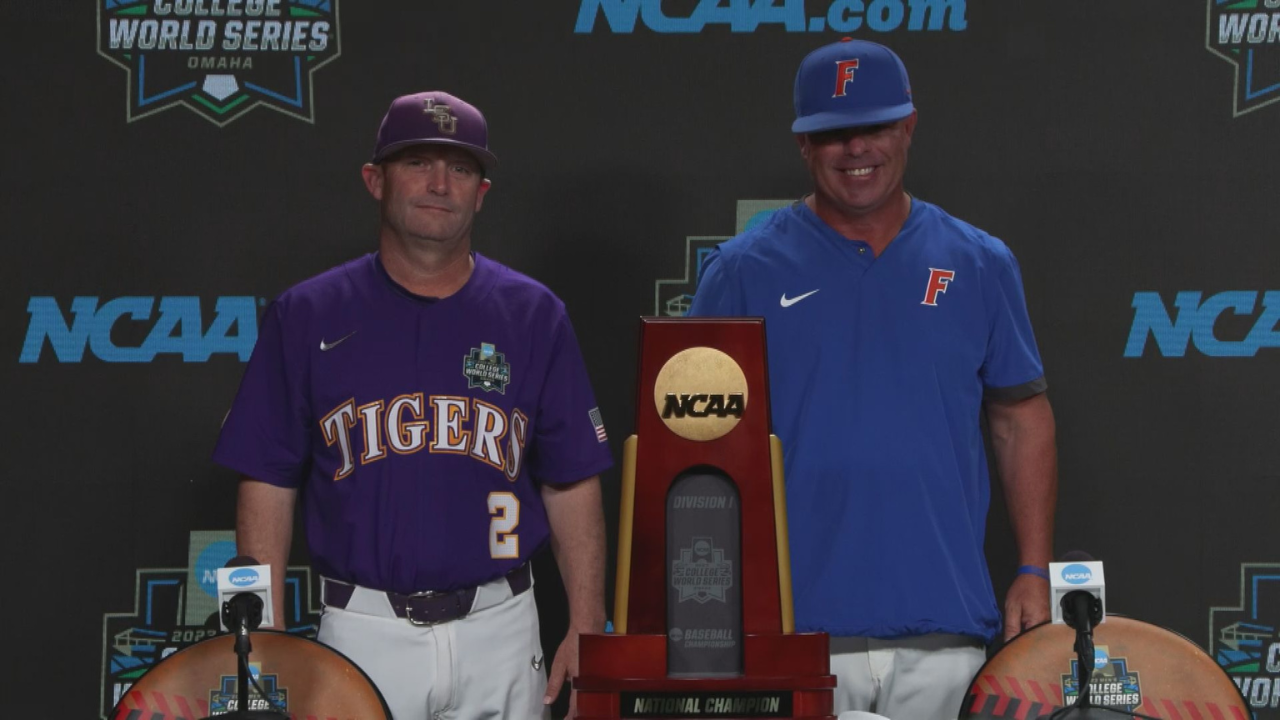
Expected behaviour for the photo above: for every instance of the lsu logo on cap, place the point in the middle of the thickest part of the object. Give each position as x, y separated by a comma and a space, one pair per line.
446, 121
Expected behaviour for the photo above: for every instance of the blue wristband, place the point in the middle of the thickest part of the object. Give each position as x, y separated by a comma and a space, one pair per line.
1033, 570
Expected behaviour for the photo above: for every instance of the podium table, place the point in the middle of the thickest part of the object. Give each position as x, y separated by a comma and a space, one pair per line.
1139, 667
305, 677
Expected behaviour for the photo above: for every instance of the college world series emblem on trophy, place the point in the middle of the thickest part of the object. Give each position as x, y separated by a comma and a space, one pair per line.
703, 613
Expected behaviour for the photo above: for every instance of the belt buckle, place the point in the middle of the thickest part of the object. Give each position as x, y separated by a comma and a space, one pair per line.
409, 608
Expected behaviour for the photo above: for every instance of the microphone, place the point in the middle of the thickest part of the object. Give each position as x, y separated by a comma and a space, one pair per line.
1078, 591
244, 589
244, 593
1078, 588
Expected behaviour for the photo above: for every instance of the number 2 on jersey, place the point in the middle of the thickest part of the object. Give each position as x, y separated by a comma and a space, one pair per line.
504, 513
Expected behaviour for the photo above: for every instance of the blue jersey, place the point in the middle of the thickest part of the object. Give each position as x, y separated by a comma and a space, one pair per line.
878, 368
415, 429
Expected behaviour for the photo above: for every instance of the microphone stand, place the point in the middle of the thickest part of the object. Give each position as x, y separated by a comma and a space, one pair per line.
241, 614
1082, 611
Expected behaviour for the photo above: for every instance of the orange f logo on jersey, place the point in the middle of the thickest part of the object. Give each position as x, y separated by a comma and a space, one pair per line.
844, 75
938, 282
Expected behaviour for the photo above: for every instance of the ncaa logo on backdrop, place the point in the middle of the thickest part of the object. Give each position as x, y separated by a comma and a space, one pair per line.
1235, 323
1244, 639
793, 16
137, 329
1246, 33
219, 58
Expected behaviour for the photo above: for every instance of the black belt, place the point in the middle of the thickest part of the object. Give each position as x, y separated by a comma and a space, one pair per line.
428, 608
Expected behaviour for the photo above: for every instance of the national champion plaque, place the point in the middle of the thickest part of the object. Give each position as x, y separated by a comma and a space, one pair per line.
703, 614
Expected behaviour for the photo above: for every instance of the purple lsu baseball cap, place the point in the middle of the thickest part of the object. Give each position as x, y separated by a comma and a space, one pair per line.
850, 83
434, 118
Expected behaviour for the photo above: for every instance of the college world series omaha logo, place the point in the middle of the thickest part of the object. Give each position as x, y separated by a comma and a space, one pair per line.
225, 698
1246, 33
219, 58
1113, 684
1245, 642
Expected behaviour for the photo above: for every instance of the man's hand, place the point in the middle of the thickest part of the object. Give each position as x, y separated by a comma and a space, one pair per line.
264, 532
565, 666
576, 515
1022, 438
1026, 605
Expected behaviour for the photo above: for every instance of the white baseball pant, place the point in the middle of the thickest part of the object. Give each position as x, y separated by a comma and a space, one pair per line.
488, 664
912, 678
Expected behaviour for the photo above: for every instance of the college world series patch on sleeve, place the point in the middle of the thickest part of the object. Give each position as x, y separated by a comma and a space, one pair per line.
597, 422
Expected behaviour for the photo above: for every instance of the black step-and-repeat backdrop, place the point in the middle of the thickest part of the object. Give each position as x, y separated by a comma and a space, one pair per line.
171, 165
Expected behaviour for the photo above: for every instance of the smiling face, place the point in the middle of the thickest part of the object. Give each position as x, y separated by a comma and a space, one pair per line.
858, 171
428, 193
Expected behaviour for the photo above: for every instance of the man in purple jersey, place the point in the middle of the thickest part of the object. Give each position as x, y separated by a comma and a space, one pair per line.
432, 408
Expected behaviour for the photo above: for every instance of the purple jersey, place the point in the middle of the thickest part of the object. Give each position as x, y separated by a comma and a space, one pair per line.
417, 430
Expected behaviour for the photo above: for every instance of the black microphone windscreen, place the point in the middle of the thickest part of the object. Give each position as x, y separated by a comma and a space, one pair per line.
1076, 556
241, 561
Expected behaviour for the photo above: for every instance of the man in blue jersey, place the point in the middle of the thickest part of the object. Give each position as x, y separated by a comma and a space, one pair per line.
891, 327
430, 411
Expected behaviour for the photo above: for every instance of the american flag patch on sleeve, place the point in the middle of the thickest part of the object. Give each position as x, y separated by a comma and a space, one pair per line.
597, 422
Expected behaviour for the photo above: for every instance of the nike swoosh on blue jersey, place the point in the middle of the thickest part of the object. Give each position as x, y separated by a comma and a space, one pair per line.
788, 302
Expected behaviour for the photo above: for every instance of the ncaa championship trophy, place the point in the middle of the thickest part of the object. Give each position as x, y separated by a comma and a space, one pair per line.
703, 623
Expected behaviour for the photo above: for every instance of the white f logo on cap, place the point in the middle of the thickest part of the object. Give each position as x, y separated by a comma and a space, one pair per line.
448, 123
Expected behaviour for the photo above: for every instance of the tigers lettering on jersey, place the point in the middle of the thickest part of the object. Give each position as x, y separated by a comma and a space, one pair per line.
463, 426
938, 282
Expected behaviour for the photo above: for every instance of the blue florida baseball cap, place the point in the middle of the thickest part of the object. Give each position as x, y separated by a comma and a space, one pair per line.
434, 118
850, 83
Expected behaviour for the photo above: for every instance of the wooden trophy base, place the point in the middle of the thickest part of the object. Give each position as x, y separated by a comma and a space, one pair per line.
784, 676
